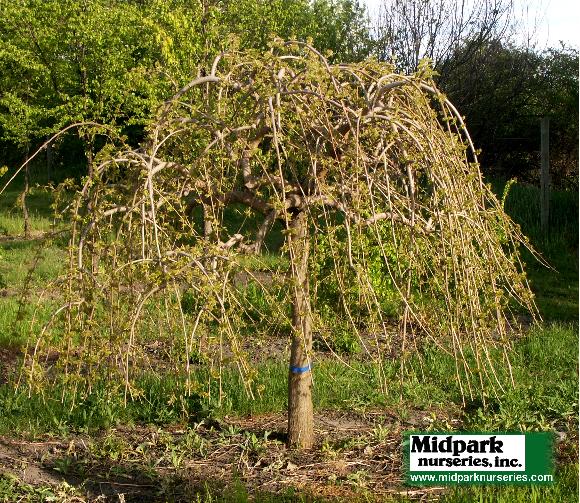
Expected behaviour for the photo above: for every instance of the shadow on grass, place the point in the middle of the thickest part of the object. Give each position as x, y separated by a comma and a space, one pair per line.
556, 289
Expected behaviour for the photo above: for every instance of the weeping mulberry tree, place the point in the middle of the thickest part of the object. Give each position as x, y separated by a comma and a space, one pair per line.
366, 178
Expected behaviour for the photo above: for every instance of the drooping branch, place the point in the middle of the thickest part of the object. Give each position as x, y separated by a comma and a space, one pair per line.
365, 181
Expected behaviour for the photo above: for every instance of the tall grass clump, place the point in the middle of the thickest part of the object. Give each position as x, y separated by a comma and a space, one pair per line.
522, 203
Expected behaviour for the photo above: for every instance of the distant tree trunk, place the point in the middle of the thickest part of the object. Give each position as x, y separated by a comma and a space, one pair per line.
89, 143
49, 161
300, 411
24, 195
545, 174
207, 225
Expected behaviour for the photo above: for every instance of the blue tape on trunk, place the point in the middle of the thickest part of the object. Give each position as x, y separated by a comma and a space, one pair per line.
300, 370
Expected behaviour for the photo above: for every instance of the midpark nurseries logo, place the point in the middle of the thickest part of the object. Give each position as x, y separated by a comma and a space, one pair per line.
478, 458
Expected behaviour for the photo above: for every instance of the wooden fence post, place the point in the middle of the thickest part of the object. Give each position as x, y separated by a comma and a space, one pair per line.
545, 173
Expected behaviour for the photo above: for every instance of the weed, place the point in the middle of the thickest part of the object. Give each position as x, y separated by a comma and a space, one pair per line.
253, 444
358, 478
380, 433
64, 465
13, 489
112, 447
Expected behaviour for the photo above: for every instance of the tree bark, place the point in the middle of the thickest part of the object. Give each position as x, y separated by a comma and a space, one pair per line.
88, 139
300, 411
24, 195
49, 161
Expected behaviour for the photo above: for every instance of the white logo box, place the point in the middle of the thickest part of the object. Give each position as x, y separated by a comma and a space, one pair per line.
477, 453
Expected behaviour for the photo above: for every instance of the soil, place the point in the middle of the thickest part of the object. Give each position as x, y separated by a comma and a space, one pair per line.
10, 358
357, 455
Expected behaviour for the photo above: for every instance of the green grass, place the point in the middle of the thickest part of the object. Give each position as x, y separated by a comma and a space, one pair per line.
27, 263
26, 270
11, 224
523, 205
12, 489
565, 489
38, 203
542, 397
20, 259
556, 289
544, 364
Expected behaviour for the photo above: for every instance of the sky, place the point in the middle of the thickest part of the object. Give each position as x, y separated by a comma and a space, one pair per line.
554, 20
557, 20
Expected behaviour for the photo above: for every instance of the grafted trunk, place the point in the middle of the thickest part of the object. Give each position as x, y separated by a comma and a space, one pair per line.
300, 412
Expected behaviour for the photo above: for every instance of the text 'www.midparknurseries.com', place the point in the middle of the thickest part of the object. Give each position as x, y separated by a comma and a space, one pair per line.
478, 458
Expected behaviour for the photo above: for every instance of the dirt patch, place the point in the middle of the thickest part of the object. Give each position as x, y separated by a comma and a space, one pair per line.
357, 456
10, 358
35, 235
25, 460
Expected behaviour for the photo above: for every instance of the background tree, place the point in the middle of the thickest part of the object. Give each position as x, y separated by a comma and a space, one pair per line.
409, 30
494, 92
113, 61
504, 92
91, 62
501, 86
340, 26
371, 169
556, 85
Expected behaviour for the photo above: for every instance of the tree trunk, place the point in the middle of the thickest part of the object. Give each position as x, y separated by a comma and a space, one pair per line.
49, 162
88, 139
24, 195
300, 412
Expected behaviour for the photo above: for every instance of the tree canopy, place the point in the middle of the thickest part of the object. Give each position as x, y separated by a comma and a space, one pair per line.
503, 92
371, 184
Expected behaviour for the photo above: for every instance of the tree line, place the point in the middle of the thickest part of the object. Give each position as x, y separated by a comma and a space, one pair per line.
115, 61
